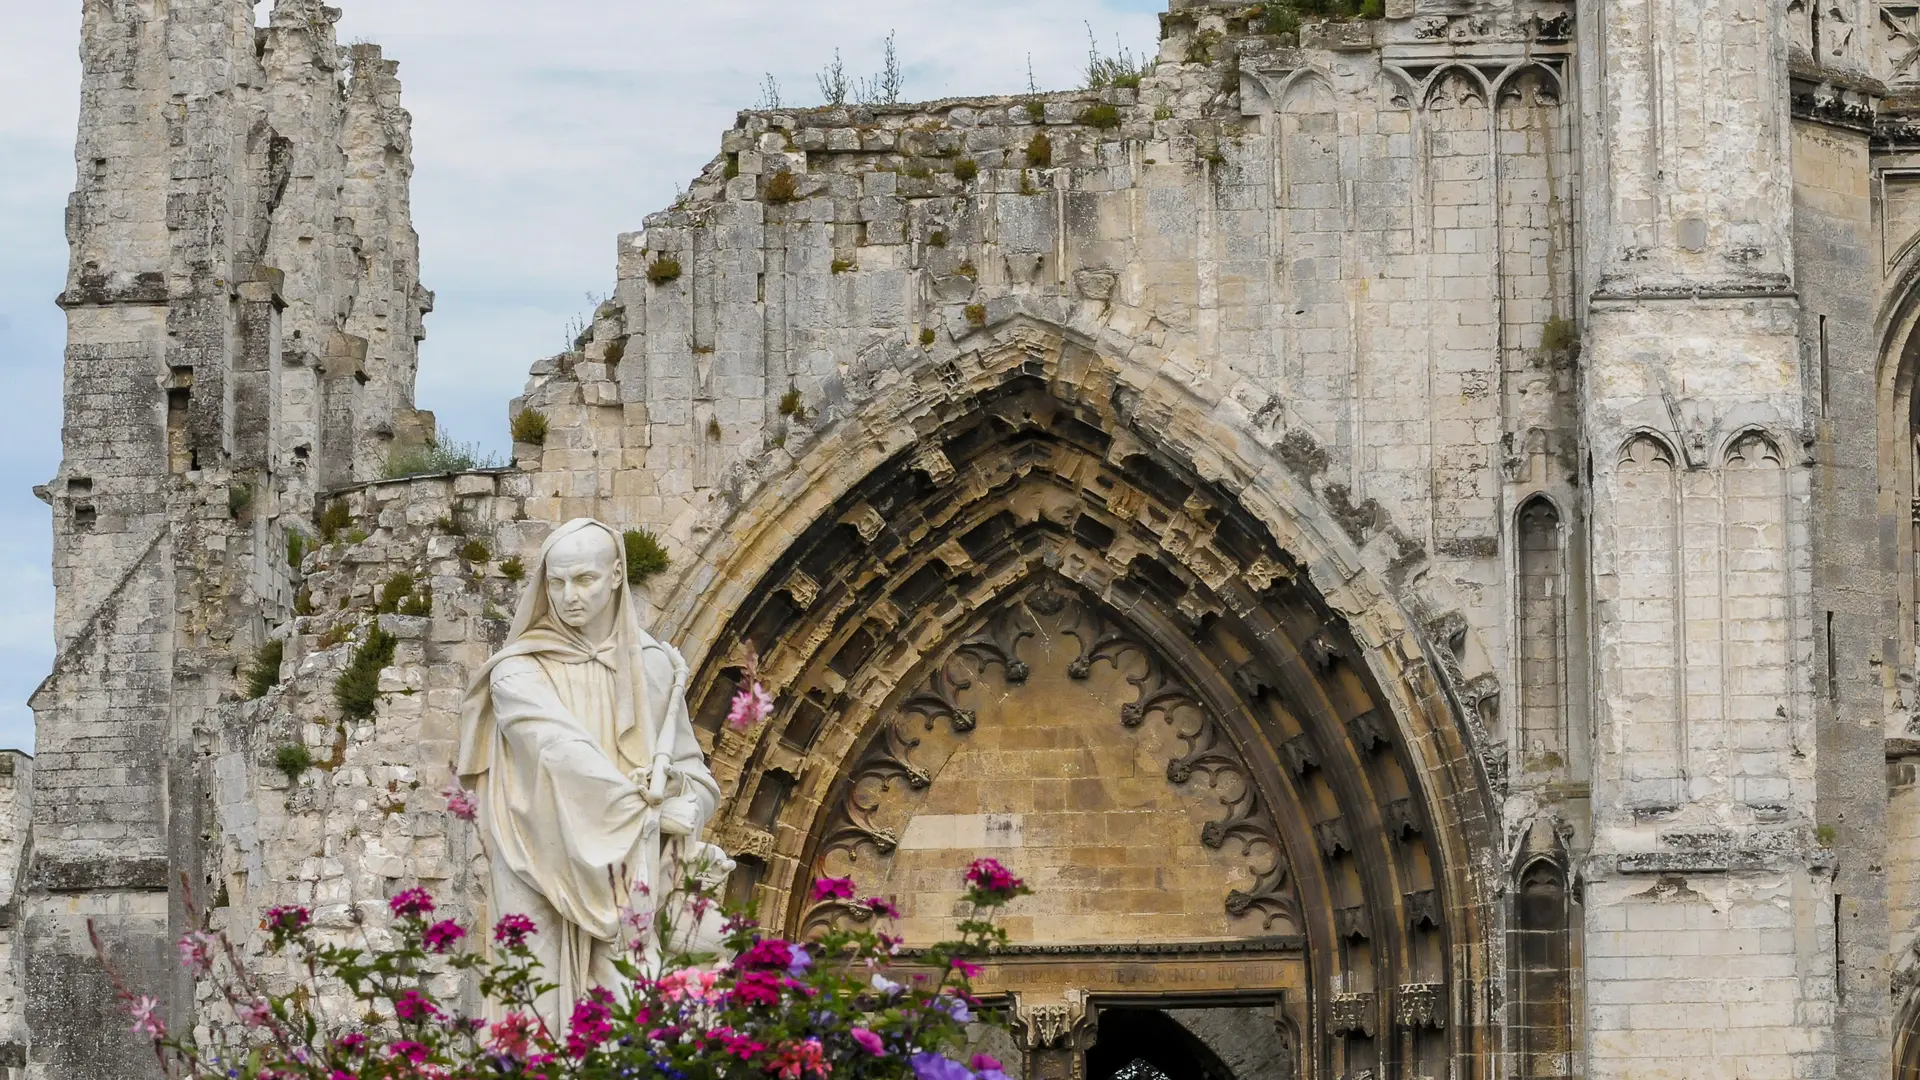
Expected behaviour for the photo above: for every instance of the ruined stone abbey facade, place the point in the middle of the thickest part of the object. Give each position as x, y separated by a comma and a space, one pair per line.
1402, 529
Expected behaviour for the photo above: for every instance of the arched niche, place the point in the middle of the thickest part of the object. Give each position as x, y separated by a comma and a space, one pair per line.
905, 609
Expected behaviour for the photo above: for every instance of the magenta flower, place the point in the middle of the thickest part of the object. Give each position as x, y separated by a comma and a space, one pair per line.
411, 903
833, 888
591, 1024
413, 1005
983, 1061
868, 1041
994, 881
883, 908
414, 1052
145, 1020
287, 919
966, 970
460, 801
254, 1013
352, 1042
768, 953
750, 706
443, 935
513, 930
196, 951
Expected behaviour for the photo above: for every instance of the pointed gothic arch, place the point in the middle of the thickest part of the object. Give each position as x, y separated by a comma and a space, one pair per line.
1321, 752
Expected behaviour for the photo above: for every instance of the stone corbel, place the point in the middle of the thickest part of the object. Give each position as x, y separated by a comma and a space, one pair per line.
1420, 1005
1053, 1035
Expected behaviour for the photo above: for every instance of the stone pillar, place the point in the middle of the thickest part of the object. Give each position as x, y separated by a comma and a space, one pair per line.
1708, 906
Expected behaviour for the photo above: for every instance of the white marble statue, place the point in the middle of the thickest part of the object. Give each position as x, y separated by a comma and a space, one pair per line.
576, 743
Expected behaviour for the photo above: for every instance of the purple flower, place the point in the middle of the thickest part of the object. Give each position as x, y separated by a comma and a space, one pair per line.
443, 935
954, 1007
931, 1066
800, 963
411, 903
868, 1041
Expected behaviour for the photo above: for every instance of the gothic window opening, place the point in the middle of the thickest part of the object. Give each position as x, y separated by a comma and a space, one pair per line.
1542, 602
1543, 979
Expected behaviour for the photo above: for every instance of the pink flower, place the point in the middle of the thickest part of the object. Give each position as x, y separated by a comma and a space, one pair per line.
966, 970
513, 930
512, 1034
750, 706
411, 903
196, 950
413, 1005
145, 1022
882, 908
352, 1042
414, 1052
833, 888
984, 1061
460, 801
254, 1013
868, 1041
443, 935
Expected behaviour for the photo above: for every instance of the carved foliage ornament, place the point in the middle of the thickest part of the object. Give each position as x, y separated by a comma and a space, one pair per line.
1059, 611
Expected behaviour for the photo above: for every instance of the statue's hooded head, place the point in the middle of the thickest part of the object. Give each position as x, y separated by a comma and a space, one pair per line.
579, 585
577, 608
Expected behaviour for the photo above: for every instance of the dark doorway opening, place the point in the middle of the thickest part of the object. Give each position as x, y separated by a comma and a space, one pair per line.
1147, 1044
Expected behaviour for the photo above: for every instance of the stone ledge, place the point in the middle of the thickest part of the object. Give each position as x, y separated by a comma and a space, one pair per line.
135, 874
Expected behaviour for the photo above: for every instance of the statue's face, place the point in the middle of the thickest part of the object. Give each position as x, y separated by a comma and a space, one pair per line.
582, 578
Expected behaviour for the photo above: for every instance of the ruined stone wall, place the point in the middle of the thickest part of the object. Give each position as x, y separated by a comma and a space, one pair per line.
243, 310
16, 851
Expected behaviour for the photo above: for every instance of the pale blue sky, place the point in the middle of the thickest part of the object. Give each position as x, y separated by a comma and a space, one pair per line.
538, 138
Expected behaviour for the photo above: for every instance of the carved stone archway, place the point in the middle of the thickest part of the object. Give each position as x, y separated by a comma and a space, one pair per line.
1037, 544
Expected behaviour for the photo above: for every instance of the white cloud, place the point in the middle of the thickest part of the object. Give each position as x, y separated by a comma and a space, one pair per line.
541, 132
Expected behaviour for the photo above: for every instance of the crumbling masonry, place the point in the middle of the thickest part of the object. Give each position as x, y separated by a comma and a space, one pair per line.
1401, 528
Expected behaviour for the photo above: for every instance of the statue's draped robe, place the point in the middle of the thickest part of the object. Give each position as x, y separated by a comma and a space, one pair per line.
553, 730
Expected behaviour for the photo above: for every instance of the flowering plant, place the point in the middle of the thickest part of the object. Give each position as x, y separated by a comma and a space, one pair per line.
847, 1004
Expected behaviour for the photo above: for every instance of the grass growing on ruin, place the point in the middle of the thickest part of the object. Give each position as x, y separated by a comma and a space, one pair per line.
790, 404
264, 672
530, 427
513, 569
296, 548
293, 759
404, 595
1040, 151
357, 690
1123, 69
476, 551
841, 266
782, 187
1102, 116
663, 270
333, 519
1036, 111
442, 455
239, 499
645, 556
965, 170
937, 239
977, 314
926, 336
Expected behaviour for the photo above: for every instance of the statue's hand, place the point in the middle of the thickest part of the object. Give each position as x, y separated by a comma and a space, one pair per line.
678, 814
